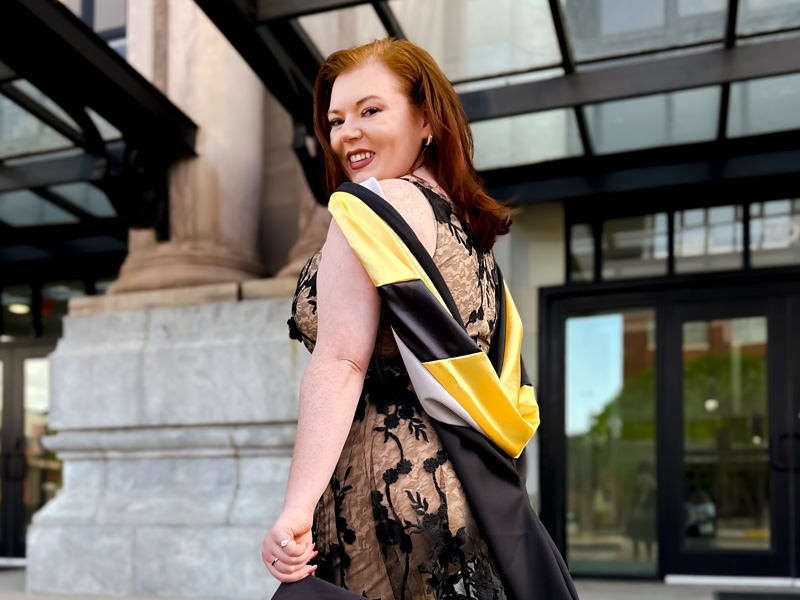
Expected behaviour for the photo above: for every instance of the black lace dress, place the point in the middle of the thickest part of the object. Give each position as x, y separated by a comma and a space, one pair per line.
394, 523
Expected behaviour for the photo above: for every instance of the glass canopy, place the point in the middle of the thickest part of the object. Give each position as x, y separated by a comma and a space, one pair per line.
486, 45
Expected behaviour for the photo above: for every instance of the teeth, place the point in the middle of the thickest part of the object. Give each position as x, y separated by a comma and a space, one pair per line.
361, 156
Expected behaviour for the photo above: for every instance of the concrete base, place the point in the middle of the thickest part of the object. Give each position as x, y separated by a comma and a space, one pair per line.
175, 428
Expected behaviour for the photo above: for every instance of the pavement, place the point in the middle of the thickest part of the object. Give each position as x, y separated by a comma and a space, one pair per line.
12, 587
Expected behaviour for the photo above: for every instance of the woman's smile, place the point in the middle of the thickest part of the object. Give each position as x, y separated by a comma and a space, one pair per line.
358, 159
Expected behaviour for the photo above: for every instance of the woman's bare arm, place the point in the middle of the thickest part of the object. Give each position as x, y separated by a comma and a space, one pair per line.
348, 312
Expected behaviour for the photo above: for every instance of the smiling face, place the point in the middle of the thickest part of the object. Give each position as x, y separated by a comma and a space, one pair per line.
374, 129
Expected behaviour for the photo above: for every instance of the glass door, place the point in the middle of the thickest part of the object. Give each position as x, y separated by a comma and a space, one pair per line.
29, 474
724, 413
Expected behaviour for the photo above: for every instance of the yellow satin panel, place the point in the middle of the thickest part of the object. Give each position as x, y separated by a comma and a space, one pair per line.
506, 412
473, 383
384, 255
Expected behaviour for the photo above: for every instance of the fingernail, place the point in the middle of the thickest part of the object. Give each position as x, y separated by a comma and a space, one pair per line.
314, 545
313, 555
312, 569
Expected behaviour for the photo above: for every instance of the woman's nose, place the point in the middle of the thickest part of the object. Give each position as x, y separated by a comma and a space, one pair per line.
350, 131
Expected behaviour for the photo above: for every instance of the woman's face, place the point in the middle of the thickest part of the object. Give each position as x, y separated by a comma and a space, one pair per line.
375, 131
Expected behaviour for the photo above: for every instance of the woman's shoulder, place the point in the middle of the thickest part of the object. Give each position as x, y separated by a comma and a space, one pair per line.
414, 207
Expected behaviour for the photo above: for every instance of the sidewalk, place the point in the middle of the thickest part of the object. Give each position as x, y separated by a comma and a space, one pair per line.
12, 587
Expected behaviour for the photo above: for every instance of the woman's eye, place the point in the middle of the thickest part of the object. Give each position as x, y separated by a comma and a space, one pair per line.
335, 122
368, 112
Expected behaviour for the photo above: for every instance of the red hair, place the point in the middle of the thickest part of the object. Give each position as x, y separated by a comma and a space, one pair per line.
448, 157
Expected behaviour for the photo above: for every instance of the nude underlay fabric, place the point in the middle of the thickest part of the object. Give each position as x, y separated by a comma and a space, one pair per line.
394, 522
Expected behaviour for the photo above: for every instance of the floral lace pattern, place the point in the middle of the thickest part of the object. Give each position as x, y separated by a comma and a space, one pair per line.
394, 523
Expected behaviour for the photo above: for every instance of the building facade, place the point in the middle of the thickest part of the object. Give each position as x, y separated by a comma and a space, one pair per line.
150, 388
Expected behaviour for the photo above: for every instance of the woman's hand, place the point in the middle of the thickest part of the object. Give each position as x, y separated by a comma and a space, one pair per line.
293, 555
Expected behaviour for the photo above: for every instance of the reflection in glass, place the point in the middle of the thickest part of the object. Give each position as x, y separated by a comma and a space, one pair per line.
775, 233
757, 16
87, 197
106, 130
726, 437
343, 28
708, 239
651, 121
764, 105
526, 139
17, 321
506, 80
55, 300
23, 208
635, 247
23, 133
581, 253
26, 87
617, 27
481, 38
611, 460
43, 477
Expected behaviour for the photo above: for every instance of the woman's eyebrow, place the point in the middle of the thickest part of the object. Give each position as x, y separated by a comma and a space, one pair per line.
336, 111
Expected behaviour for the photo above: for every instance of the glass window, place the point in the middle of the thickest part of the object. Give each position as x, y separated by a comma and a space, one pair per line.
109, 14
635, 246
55, 304
23, 133
651, 121
22, 208
16, 305
43, 475
86, 196
526, 139
611, 444
344, 28
506, 80
481, 38
708, 239
757, 16
726, 437
29, 89
581, 253
764, 105
775, 233
603, 28
107, 130
120, 46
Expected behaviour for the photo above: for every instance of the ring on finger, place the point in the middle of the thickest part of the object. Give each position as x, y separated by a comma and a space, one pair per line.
274, 560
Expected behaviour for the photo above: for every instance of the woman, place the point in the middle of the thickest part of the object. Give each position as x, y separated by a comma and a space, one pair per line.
373, 481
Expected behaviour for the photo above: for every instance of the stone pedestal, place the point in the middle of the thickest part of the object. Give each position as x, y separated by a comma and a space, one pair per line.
175, 414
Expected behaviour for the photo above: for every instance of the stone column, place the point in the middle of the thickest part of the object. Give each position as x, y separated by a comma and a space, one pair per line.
215, 197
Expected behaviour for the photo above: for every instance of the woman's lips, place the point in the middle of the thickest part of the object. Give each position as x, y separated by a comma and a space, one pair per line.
360, 164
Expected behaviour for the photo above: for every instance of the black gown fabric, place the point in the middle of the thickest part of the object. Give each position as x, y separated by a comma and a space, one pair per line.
523, 554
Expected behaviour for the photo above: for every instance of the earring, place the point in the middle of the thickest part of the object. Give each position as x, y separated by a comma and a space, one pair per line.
428, 141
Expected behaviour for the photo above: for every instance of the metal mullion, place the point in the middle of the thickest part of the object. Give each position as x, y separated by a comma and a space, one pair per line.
638, 79
389, 19
597, 232
724, 103
505, 74
563, 45
748, 36
43, 114
63, 204
6, 73
746, 257
730, 28
583, 130
670, 243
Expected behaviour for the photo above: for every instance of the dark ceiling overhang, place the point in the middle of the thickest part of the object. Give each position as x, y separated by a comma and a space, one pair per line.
43, 43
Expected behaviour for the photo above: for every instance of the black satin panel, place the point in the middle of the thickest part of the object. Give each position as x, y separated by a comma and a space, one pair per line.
529, 562
312, 588
498, 348
423, 324
388, 213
